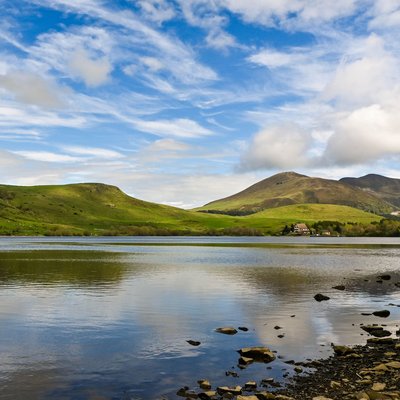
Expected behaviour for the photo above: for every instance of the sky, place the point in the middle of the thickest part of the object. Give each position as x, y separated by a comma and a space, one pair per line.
183, 102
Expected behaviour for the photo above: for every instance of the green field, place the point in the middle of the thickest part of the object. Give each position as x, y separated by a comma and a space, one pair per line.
98, 209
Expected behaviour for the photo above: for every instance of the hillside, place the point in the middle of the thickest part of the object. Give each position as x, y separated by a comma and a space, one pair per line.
89, 208
98, 209
387, 189
289, 188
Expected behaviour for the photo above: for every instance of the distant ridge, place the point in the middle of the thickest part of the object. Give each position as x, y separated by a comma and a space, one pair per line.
289, 188
387, 189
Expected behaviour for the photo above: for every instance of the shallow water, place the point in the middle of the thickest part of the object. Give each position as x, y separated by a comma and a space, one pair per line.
108, 318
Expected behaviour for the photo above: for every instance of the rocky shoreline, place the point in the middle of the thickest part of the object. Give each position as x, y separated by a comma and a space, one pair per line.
369, 372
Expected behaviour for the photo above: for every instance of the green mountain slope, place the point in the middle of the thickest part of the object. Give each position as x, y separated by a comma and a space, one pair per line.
387, 189
93, 208
291, 188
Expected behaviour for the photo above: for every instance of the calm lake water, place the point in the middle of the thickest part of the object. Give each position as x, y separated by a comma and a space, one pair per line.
108, 318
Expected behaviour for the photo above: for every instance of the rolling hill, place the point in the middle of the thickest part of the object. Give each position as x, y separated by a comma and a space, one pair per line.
290, 188
99, 209
387, 189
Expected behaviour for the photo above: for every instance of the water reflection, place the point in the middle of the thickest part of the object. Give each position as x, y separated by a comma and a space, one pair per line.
98, 324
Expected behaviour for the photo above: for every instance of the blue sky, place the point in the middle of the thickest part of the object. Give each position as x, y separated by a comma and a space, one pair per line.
185, 101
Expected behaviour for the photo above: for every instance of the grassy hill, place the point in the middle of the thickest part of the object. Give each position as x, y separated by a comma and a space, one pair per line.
93, 208
89, 208
387, 189
290, 188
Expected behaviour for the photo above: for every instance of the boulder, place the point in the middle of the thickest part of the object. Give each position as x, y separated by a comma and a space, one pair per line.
321, 297
263, 354
382, 313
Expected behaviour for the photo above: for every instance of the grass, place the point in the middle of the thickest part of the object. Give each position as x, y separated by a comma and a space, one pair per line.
98, 209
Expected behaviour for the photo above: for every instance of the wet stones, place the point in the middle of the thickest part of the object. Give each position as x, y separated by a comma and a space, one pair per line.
342, 350
376, 331
321, 297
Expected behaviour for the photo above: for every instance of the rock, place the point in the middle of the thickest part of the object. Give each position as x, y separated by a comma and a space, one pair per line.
376, 331
204, 384
232, 373
182, 391
251, 385
321, 297
298, 369
342, 350
385, 277
335, 385
378, 386
194, 342
207, 395
243, 328
362, 396
377, 395
386, 340
251, 397
227, 330
393, 364
282, 397
263, 354
245, 360
339, 287
185, 392
265, 396
380, 368
382, 313
277, 327
236, 390
321, 398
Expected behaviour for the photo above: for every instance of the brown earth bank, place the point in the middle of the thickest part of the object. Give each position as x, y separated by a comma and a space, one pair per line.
368, 372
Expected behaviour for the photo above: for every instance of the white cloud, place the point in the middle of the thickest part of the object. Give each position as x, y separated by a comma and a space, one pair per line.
169, 145
93, 152
181, 127
93, 72
283, 146
365, 135
47, 156
272, 58
157, 10
365, 78
152, 63
32, 89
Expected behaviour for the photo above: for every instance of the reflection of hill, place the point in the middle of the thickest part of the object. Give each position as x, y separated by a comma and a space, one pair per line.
61, 267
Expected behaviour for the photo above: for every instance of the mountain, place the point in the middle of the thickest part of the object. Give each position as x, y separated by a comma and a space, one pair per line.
99, 209
387, 189
292, 188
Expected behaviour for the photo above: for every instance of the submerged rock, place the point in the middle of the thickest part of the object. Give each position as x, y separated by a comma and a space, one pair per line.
243, 328
376, 331
193, 342
226, 330
321, 297
263, 354
339, 287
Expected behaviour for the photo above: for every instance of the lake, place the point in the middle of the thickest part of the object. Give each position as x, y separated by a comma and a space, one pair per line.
108, 318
